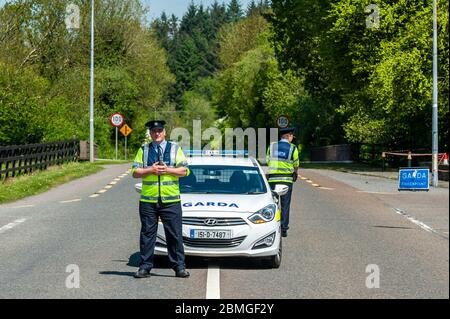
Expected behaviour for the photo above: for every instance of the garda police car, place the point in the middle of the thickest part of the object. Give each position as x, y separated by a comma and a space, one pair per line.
229, 210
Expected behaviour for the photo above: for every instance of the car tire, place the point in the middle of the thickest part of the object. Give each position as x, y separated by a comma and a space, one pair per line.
275, 260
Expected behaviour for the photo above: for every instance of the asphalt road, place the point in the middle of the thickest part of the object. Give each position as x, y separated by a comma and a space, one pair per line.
339, 228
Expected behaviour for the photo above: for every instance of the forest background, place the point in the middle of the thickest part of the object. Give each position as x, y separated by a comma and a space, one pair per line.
337, 73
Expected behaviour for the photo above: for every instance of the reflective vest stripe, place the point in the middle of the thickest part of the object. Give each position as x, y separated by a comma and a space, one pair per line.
182, 164
136, 165
167, 198
277, 169
272, 150
146, 150
281, 160
291, 150
279, 178
162, 183
173, 154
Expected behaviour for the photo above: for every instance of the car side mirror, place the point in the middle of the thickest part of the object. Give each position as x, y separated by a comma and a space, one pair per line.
138, 187
280, 190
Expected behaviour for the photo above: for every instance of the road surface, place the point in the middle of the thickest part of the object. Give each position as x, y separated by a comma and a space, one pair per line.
344, 231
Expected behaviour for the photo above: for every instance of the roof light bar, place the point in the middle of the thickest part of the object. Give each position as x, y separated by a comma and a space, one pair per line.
216, 152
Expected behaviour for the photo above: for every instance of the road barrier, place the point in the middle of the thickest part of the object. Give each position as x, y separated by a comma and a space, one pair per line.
443, 170
24, 159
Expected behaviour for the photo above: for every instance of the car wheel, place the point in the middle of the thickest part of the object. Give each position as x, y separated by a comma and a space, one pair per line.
275, 260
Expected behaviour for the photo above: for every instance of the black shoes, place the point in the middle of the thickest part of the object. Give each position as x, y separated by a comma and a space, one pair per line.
182, 273
284, 233
142, 273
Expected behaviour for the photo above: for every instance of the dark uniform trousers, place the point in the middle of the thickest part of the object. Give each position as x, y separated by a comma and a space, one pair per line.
171, 216
285, 205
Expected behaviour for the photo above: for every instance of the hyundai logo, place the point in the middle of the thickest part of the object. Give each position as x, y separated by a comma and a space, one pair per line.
210, 222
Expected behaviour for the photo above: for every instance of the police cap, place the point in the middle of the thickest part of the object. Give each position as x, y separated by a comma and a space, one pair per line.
287, 130
155, 124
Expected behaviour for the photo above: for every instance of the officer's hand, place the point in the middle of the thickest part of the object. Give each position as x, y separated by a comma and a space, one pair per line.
161, 169
155, 169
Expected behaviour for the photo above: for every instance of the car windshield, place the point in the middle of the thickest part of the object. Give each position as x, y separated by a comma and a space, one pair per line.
212, 179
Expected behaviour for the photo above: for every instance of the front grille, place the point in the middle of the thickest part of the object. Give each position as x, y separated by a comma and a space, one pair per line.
200, 221
213, 243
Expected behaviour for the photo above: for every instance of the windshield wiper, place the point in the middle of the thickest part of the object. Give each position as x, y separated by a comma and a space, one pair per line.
196, 192
253, 193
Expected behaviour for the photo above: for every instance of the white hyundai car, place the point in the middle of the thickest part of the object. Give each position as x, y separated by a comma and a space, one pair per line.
229, 210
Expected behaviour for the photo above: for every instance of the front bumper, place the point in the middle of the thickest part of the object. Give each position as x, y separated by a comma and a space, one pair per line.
242, 243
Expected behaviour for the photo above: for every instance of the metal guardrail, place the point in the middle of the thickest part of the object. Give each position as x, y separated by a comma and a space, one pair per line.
24, 159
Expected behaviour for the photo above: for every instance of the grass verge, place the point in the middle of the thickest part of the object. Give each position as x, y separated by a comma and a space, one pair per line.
41, 181
109, 162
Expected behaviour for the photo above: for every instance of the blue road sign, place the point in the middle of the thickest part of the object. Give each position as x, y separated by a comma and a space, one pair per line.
414, 179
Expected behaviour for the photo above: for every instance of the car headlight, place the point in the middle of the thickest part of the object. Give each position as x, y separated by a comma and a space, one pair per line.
264, 215
265, 242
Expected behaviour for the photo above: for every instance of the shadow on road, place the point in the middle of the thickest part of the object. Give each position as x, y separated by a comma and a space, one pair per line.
192, 262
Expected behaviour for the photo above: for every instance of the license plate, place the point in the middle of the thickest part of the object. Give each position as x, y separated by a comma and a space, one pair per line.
210, 234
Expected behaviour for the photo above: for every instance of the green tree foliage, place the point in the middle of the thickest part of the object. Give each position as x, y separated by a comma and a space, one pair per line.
251, 90
236, 39
193, 44
374, 82
234, 11
47, 76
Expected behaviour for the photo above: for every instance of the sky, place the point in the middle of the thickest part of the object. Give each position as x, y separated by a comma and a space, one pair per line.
177, 7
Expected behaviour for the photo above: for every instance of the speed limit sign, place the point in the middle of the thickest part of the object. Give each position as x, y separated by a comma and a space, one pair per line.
116, 119
283, 121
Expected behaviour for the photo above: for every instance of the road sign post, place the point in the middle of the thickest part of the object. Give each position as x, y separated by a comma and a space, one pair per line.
126, 130
116, 120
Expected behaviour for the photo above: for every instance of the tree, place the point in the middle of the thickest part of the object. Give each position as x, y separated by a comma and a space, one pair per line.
234, 11
236, 39
374, 81
44, 71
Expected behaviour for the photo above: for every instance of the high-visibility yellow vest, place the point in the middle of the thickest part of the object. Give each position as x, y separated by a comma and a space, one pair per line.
164, 187
282, 159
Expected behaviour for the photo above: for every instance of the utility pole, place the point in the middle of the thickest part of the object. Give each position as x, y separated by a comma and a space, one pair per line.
435, 149
91, 104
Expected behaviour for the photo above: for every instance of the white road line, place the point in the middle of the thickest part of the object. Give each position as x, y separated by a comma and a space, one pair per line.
94, 195
24, 206
108, 186
102, 191
418, 222
315, 185
116, 179
12, 225
303, 178
309, 181
112, 183
213, 282
326, 188
70, 201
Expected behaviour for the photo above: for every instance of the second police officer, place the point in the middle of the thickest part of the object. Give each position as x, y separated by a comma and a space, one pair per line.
283, 163
160, 164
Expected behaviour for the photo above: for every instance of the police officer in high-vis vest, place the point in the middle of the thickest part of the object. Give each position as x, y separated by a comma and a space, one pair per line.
160, 164
283, 162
